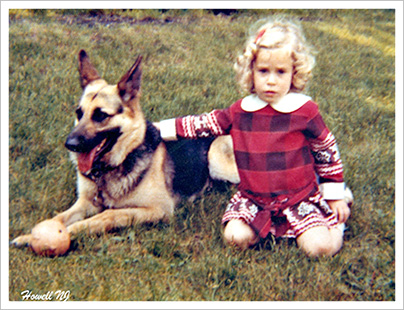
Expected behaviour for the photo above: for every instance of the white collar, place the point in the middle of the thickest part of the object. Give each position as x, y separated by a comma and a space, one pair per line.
289, 103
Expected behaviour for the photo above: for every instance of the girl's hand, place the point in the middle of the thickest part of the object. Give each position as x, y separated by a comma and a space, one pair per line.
340, 209
157, 125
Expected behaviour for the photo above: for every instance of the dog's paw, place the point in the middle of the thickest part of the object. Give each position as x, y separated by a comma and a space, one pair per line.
21, 241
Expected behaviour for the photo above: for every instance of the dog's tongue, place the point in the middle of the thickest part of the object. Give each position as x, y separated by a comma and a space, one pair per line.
85, 160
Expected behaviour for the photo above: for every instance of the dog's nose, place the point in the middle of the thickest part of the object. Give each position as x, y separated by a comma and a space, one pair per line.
74, 143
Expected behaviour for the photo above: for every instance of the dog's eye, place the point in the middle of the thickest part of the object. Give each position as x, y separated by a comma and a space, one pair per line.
99, 116
79, 113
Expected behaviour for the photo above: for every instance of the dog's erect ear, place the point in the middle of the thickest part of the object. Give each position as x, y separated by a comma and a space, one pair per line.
129, 85
87, 71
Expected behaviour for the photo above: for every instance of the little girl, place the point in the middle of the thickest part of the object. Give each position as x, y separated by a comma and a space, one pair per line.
280, 143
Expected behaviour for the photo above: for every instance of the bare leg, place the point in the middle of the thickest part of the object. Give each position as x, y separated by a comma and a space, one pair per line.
237, 232
320, 240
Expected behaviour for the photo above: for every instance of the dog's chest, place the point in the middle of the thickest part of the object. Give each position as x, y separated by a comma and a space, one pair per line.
115, 187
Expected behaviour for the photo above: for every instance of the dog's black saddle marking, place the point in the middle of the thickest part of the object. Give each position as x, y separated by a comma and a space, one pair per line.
190, 158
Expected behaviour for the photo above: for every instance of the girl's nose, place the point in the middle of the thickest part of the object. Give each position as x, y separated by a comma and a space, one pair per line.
271, 79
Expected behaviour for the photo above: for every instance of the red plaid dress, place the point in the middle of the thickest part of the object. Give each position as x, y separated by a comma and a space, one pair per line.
278, 155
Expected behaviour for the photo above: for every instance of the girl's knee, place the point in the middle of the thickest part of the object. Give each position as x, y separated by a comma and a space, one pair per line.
320, 241
237, 232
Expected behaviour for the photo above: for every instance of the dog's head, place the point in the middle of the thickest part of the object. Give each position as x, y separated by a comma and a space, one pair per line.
109, 117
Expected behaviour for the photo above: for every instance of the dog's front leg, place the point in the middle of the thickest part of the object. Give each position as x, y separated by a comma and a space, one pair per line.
84, 206
118, 218
22, 240
80, 210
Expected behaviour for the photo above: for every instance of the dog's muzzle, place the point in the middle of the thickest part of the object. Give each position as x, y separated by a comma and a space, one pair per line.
92, 149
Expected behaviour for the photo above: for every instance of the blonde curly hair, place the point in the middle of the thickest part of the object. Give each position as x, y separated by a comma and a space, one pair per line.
276, 33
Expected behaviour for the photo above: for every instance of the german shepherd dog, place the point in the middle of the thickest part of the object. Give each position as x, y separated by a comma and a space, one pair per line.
126, 173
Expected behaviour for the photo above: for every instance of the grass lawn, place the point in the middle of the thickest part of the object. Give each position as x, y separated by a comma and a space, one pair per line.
188, 59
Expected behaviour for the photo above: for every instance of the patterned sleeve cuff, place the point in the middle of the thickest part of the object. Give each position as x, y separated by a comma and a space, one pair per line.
333, 191
167, 130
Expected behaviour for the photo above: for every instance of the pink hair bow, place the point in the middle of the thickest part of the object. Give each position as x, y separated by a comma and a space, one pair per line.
259, 36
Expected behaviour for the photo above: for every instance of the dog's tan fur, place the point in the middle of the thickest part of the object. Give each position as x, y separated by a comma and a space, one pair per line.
222, 163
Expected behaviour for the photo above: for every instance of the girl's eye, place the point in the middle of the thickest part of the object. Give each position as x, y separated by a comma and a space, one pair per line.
99, 116
79, 113
281, 71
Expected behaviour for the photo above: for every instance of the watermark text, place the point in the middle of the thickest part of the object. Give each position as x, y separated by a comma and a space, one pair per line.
58, 295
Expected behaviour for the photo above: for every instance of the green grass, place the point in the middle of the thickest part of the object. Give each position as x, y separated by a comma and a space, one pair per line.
188, 69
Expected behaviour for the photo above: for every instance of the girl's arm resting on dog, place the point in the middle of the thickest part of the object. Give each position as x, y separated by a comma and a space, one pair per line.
211, 124
167, 128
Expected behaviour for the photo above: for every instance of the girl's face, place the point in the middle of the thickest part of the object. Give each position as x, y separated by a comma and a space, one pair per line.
272, 74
